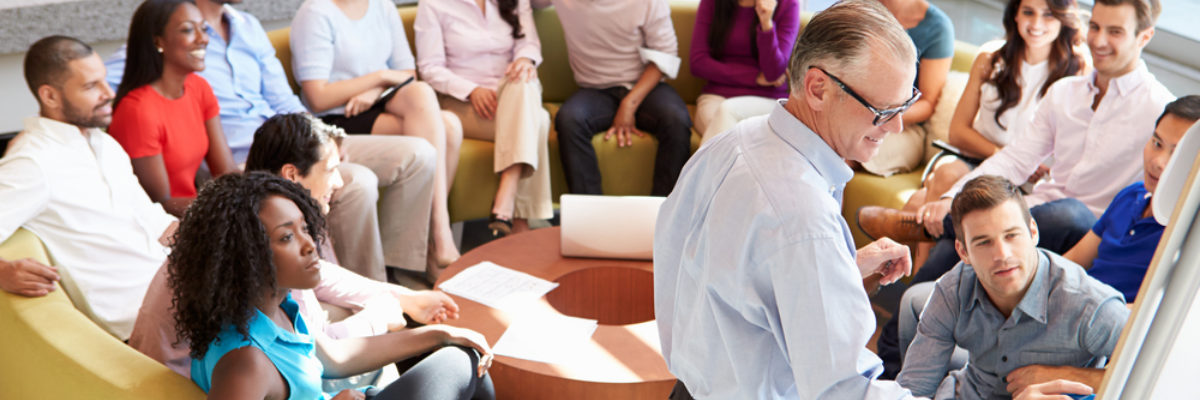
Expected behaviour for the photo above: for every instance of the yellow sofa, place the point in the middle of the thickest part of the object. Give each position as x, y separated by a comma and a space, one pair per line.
626, 171
49, 350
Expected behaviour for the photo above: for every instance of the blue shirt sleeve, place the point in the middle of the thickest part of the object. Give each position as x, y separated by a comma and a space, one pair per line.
115, 64
312, 45
402, 55
275, 87
931, 350
934, 35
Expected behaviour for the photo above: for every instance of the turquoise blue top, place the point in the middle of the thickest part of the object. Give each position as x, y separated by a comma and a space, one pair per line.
294, 354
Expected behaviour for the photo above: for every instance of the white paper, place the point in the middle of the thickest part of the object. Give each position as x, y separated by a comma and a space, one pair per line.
545, 337
609, 226
496, 286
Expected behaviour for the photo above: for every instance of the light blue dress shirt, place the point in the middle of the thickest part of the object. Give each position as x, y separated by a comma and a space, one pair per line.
293, 354
757, 294
244, 74
1066, 318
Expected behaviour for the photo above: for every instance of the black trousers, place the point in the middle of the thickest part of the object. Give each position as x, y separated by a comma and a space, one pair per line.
591, 111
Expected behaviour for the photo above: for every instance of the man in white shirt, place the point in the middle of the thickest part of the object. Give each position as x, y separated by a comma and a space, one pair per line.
72, 185
1094, 127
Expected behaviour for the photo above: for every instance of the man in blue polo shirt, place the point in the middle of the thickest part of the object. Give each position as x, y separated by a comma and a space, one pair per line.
1119, 248
370, 228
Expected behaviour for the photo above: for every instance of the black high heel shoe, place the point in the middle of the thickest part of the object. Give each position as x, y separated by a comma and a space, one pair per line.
499, 227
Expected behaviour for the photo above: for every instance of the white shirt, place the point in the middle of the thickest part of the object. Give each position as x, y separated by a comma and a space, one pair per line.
461, 47
1032, 78
756, 291
1096, 153
79, 195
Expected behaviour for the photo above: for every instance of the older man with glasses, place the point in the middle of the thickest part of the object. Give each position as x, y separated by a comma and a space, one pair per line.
758, 286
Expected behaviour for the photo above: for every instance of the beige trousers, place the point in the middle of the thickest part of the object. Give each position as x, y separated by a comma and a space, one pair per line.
380, 217
716, 114
521, 131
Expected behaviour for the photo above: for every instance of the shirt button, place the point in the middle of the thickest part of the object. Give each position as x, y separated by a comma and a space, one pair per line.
1004, 359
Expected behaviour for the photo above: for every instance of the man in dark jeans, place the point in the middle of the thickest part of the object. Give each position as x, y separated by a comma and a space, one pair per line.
619, 63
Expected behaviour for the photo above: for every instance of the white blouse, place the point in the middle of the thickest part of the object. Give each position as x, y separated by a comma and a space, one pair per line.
1033, 76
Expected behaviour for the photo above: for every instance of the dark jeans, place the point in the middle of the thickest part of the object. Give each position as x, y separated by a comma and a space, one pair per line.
446, 373
1061, 224
591, 111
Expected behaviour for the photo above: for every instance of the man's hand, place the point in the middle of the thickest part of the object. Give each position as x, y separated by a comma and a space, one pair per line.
623, 126
1041, 172
1021, 378
27, 277
484, 102
468, 338
521, 70
765, 9
931, 215
350, 394
1053, 390
428, 306
361, 102
884, 257
168, 234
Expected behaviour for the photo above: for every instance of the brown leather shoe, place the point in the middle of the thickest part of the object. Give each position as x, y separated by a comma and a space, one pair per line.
877, 222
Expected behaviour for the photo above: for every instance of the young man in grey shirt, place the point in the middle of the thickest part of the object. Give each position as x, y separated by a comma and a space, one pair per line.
1008, 303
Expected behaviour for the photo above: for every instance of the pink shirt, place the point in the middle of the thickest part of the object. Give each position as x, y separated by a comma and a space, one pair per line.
460, 47
607, 40
1096, 153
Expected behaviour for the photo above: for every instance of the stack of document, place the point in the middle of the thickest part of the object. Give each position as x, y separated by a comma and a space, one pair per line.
537, 333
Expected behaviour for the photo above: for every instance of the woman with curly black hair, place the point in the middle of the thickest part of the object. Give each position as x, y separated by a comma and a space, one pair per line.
243, 244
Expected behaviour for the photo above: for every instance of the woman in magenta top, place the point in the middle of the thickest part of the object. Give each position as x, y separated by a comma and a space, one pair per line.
742, 48
166, 116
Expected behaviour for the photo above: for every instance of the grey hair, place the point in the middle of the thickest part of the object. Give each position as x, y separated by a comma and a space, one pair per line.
843, 36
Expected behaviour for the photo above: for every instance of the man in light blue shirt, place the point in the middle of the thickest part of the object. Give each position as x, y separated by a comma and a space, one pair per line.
370, 228
758, 287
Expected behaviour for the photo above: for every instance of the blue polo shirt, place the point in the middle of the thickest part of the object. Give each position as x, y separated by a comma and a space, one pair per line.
1127, 241
293, 354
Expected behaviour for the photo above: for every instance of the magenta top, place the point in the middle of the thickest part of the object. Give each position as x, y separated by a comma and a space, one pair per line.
734, 74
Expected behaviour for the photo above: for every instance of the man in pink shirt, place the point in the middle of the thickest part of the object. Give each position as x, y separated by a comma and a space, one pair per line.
302, 149
619, 51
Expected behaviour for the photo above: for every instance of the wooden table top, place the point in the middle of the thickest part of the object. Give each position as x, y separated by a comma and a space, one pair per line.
625, 347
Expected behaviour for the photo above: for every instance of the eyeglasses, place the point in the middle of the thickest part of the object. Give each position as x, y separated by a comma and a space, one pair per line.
881, 116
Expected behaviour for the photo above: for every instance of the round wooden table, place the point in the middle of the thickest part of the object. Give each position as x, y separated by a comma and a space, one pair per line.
622, 360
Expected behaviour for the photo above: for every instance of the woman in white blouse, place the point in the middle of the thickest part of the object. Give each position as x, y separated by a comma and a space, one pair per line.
1043, 43
357, 72
481, 56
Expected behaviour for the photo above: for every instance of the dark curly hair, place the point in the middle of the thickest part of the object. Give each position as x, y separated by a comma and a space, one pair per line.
221, 260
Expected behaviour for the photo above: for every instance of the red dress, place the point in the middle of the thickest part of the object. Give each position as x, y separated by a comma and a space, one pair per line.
147, 124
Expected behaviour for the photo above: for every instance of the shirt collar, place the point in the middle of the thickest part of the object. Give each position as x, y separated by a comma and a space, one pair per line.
265, 330
1036, 297
1034, 302
827, 162
1124, 84
61, 132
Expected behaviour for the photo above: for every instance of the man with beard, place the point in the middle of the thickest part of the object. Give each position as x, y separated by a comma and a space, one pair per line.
72, 185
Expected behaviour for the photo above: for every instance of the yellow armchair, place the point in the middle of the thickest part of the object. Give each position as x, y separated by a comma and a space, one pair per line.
49, 350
